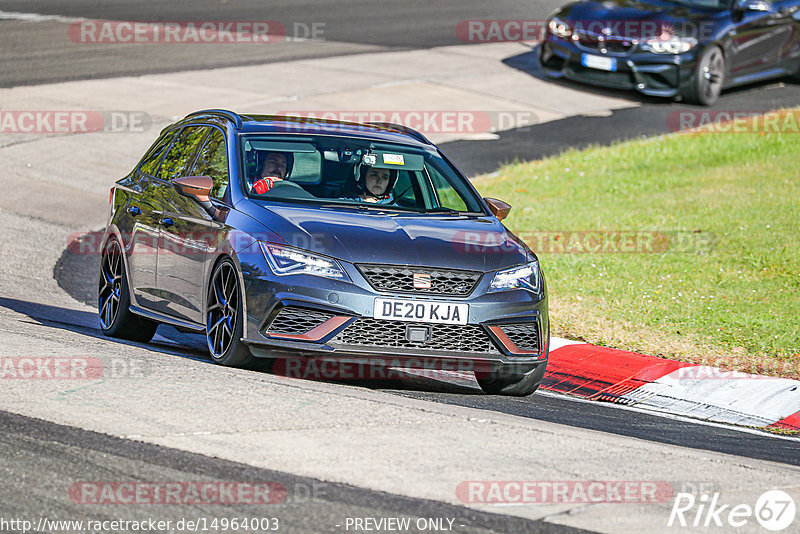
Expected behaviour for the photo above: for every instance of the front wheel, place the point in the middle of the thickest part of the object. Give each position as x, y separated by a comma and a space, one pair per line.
224, 318
708, 79
511, 380
114, 299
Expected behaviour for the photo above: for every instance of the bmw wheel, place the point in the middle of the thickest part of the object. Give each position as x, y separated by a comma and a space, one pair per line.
224, 318
113, 299
709, 77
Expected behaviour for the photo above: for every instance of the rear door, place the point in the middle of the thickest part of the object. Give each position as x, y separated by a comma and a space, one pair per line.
175, 238
142, 215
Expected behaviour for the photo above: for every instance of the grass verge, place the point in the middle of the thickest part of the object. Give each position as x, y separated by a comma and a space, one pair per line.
706, 228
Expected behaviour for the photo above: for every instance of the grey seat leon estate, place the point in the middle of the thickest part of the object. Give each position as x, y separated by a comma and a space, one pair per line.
321, 241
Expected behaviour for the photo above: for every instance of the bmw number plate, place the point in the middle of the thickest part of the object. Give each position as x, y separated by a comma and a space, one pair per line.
423, 311
599, 62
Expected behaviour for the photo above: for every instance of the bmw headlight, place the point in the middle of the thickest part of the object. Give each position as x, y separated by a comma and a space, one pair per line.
521, 277
285, 260
559, 28
674, 45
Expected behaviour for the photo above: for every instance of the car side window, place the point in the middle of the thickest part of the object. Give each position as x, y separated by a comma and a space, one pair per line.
448, 197
182, 153
213, 162
153, 158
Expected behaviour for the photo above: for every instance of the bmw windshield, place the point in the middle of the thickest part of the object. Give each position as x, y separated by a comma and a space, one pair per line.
348, 171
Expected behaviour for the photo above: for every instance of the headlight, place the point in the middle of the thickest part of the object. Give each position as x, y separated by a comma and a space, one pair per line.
285, 260
559, 27
675, 45
522, 277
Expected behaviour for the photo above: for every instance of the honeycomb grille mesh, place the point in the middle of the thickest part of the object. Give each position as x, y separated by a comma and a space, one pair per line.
524, 335
295, 320
398, 278
374, 333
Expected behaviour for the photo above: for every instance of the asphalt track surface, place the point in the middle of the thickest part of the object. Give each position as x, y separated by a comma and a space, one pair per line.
30, 446
46, 459
349, 28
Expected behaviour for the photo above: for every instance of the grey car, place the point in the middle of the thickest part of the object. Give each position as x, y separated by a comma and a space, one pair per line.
266, 235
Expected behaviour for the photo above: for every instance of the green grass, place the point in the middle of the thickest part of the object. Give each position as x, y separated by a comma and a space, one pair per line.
727, 284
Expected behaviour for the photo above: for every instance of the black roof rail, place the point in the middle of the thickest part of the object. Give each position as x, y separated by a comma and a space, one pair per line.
232, 115
405, 129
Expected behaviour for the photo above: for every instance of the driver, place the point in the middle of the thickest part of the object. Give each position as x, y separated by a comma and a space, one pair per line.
275, 167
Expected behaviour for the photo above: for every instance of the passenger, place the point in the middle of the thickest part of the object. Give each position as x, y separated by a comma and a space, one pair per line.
275, 167
374, 185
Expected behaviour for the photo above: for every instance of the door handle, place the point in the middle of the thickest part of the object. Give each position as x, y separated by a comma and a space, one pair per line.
134, 210
166, 221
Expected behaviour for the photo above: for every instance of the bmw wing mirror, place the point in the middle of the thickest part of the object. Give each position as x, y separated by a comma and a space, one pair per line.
498, 208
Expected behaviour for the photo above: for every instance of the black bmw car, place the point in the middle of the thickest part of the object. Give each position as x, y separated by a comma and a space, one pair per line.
285, 237
673, 48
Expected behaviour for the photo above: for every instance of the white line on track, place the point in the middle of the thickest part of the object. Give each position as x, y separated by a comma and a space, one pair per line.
37, 17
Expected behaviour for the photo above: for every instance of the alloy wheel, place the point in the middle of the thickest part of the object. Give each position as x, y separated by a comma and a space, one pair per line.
222, 310
108, 293
713, 73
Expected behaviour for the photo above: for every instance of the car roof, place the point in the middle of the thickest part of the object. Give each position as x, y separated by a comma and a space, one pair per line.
291, 125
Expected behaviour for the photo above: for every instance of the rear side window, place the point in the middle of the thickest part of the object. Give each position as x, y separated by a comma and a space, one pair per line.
153, 158
213, 162
182, 153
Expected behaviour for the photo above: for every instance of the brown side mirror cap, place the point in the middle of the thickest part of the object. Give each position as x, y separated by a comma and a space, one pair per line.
498, 208
197, 187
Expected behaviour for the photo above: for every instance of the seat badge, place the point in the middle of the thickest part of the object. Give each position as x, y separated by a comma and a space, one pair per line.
422, 281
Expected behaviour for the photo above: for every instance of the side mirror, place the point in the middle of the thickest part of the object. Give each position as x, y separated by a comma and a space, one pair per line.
498, 208
753, 5
197, 187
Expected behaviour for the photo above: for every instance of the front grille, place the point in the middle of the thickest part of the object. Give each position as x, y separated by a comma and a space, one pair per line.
295, 320
400, 278
614, 45
524, 335
374, 333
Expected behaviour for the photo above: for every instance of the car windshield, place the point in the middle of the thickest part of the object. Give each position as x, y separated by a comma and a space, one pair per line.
348, 171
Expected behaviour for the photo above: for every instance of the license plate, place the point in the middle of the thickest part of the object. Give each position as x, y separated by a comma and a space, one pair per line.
599, 62
424, 311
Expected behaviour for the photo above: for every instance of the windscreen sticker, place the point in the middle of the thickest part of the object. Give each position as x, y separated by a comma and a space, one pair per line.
394, 159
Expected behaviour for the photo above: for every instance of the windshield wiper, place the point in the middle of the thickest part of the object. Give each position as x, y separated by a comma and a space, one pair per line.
442, 209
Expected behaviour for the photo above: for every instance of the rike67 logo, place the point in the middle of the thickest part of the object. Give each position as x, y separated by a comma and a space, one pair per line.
774, 510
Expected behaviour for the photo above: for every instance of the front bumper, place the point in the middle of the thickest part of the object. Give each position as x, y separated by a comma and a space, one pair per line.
331, 319
660, 75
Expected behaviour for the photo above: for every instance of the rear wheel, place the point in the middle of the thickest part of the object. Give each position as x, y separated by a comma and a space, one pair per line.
113, 299
224, 318
709, 77
512, 380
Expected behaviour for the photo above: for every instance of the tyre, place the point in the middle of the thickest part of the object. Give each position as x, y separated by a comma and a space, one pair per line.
511, 380
708, 79
113, 299
224, 318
